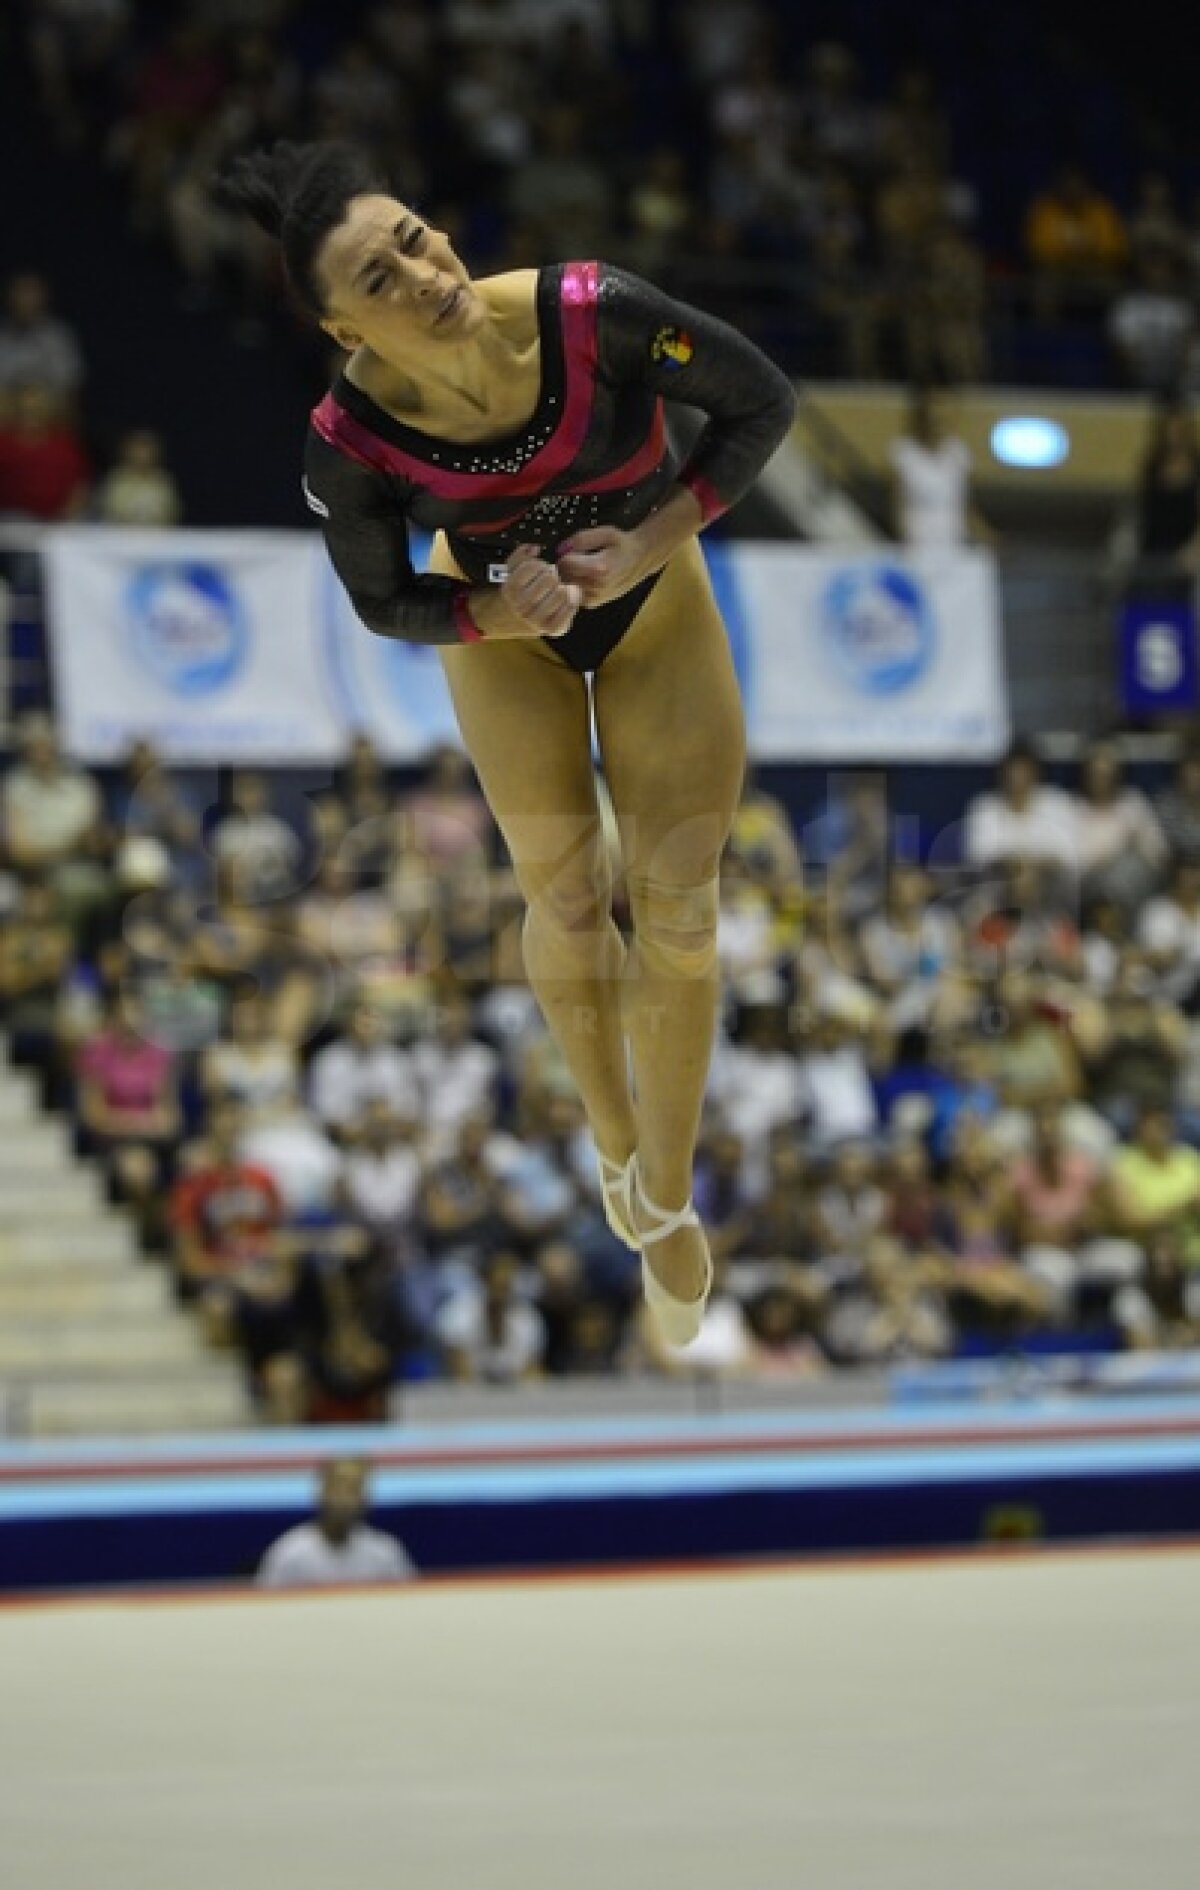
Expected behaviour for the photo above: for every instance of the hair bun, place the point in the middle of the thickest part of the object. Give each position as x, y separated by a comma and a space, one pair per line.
262, 184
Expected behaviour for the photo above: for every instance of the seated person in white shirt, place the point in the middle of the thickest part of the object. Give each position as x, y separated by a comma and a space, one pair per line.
1022, 819
456, 1074
489, 1329
358, 1068
337, 1546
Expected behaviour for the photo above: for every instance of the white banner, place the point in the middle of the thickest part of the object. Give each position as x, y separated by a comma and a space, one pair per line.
242, 647
875, 656
204, 642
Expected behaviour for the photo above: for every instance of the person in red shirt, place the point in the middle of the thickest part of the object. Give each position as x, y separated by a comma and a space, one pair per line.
233, 1260
44, 471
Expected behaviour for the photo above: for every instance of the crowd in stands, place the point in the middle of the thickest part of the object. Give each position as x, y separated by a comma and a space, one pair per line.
46, 471
863, 204
955, 1102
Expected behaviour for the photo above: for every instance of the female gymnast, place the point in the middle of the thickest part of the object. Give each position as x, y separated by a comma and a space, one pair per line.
520, 419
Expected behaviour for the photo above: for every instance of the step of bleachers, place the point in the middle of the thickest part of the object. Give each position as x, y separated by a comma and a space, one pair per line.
80, 1295
75, 1195
42, 1147
107, 1237
95, 1407
18, 1096
95, 1269
101, 1346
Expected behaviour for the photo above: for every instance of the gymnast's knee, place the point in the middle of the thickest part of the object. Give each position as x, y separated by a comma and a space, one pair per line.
676, 926
579, 907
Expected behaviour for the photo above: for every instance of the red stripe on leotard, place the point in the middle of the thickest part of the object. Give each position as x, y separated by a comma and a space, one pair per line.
578, 289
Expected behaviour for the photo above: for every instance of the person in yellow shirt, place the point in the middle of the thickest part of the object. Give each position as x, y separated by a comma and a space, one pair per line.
1155, 1185
1075, 241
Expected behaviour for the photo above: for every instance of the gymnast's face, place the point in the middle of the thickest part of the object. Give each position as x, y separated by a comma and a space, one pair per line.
392, 282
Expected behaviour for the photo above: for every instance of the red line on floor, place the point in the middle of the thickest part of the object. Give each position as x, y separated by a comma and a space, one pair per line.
499, 1454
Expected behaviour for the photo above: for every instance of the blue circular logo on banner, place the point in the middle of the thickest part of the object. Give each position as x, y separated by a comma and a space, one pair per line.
188, 626
878, 626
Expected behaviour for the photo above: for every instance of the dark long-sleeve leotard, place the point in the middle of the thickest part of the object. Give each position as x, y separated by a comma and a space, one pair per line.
594, 452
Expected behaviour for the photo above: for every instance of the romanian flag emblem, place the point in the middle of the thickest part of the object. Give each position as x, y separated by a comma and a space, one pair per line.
672, 346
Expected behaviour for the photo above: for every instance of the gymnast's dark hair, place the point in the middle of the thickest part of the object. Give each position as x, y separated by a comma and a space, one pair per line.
298, 193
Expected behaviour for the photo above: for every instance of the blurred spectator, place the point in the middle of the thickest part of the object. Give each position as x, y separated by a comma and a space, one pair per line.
891, 1311
138, 489
839, 123
1033, 1059
351, 1327
835, 1082
755, 105
36, 949
1178, 807
911, 948
1156, 230
1135, 1062
489, 103
748, 942
44, 469
37, 348
447, 819
1168, 931
848, 299
913, 121
946, 329
301, 1159
74, 47
932, 470
753, 1080
962, 1092
782, 1325
1075, 241
456, 1073
986, 1284
488, 1330
762, 837
173, 89
256, 849
776, 1238
1121, 849
1167, 517
148, 801
360, 1067
547, 1184
252, 1066
1022, 818
1060, 1213
659, 210
337, 1548
561, 191
54, 821
1156, 1184
381, 1181
1151, 326
853, 840
129, 1113
849, 1209
731, 29
225, 1214
458, 1206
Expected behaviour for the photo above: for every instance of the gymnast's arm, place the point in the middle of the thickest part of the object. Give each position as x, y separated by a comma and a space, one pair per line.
365, 526
685, 355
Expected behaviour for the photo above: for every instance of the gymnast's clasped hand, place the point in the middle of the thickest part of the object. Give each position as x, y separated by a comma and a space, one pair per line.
591, 568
